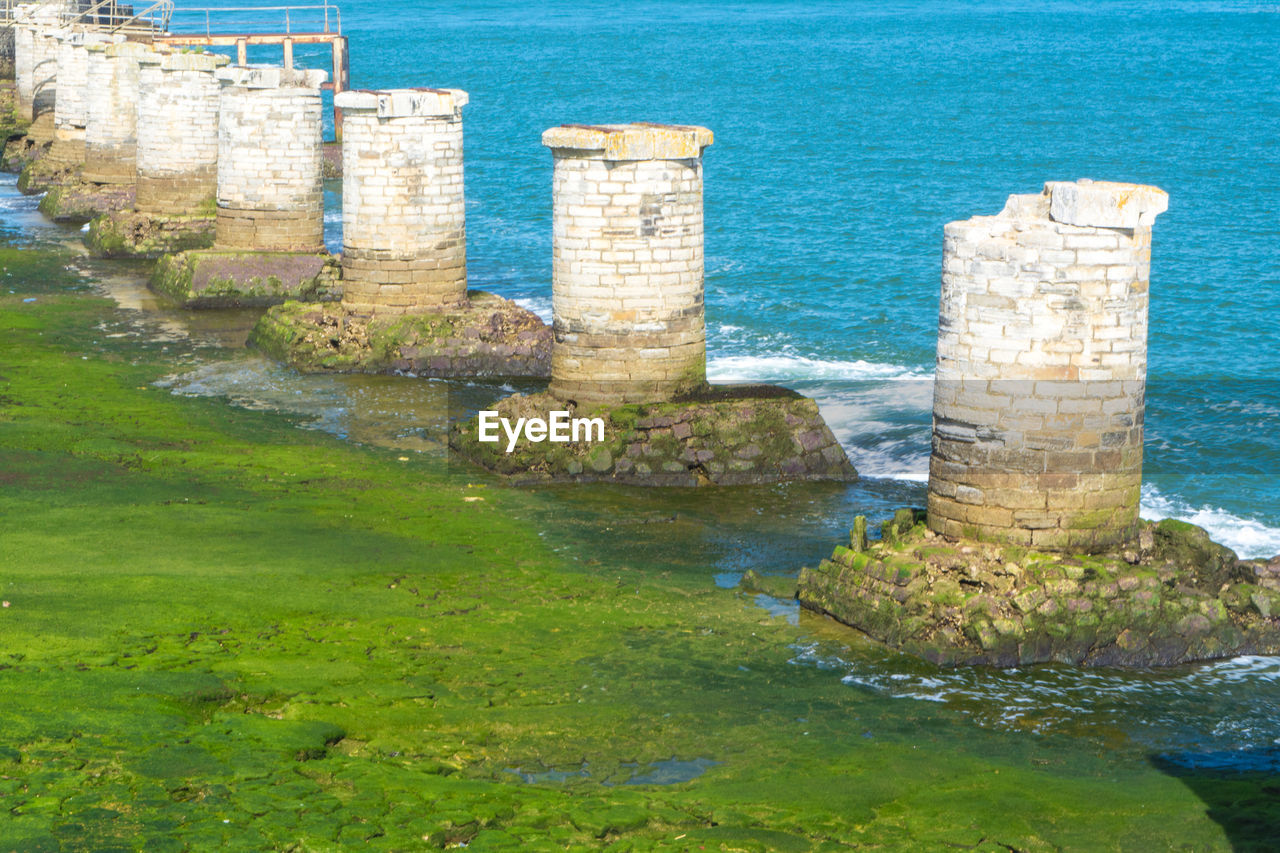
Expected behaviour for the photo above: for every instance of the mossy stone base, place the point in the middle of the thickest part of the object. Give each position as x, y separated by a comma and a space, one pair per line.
43, 173
221, 279
12, 131
720, 435
492, 336
78, 201
130, 234
20, 151
1174, 597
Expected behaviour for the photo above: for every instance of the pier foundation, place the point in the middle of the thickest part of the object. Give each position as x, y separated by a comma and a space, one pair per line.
269, 231
630, 336
405, 304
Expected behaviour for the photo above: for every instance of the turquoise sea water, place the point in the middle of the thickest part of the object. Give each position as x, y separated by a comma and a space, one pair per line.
848, 133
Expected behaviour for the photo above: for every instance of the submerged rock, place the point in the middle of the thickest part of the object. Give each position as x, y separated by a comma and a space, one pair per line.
490, 336
222, 279
713, 435
79, 201
1174, 596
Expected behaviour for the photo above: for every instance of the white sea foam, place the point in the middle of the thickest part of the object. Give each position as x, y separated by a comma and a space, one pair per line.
540, 305
891, 460
1248, 537
784, 368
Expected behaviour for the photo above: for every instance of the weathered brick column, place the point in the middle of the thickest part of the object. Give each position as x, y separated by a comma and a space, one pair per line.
270, 192
627, 276
70, 114
24, 60
1041, 371
404, 239
177, 149
35, 47
111, 112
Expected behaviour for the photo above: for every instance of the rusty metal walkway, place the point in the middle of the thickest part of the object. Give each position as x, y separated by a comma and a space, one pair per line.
287, 26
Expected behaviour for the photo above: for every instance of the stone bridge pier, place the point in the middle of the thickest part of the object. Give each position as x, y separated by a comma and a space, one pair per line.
627, 273
70, 112
404, 236
1041, 368
111, 97
175, 155
177, 148
269, 235
270, 193
405, 304
629, 350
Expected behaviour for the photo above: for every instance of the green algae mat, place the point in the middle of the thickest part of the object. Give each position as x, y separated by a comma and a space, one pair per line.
222, 632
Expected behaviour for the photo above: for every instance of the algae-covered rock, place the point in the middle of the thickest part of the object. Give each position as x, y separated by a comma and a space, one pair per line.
43, 173
331, 162
130, 234
79, 201
726, 435
219, 279
1177, 597
491, 336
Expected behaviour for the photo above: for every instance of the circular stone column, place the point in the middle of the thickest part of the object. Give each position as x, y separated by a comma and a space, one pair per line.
24, 34
70, 113
627, 274
404, 243
1041, 370
177, 149
111, 112
270, 191
46, 28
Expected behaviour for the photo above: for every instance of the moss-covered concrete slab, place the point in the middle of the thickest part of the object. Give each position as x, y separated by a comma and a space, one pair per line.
220, 279
1174, 597
77, 201
719, 435
492, 336
130, 234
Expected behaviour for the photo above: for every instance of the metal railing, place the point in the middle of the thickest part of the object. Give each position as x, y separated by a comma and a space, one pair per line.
113, 16
9, 9
325, 18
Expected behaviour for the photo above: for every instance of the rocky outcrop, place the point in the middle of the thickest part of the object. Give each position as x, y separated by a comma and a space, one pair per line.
1173, 597
490, 336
